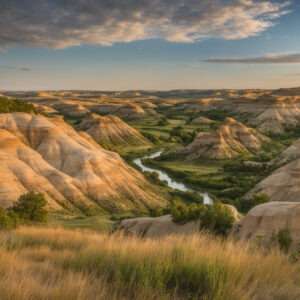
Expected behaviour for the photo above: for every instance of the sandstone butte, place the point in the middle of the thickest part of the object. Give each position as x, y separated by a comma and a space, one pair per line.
111, 131
230, 140
74, 172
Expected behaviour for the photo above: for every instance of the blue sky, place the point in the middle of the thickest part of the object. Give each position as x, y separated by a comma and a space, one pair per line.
141, 55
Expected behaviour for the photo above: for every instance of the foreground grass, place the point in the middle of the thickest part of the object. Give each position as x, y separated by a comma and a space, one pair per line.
41, 263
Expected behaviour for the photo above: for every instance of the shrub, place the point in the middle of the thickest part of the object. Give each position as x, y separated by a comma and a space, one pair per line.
284, 239
8, 220
180, 212
31, 207
218, 218
257, 199
215, 218
163, 122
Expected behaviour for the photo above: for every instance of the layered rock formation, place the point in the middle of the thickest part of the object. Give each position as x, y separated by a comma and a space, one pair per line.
111, 131
230, 140
278, 115
263, 222
73, 171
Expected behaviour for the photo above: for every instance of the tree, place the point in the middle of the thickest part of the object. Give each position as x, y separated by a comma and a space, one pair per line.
31, 207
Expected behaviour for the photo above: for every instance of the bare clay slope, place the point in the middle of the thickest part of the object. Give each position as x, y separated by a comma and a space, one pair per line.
73, 171
111, 131
284, 183
230, 140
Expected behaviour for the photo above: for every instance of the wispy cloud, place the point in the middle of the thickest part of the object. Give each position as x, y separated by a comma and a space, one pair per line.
23, 69
60, 24
267, 59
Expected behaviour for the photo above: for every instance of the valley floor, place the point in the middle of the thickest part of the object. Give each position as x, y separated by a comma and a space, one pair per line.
54, 263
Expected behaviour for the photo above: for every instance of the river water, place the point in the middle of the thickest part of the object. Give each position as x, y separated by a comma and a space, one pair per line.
163, 176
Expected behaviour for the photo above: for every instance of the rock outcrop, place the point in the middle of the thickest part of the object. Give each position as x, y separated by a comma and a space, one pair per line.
230, 140
110, 131
71, 169
163, 226
202, 121
263, 222
156, 227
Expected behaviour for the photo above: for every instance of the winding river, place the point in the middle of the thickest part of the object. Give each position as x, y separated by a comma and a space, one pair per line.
163, 176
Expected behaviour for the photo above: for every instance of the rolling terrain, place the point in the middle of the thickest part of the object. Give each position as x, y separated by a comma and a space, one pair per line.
77, 148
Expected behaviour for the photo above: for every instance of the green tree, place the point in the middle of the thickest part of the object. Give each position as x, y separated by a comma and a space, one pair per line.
31, 207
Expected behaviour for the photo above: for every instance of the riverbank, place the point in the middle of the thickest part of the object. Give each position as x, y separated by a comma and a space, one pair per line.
164, 176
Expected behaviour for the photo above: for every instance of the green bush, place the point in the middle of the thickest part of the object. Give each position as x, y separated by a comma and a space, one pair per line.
8, 220
257, 199
31, 207
163, 122
216, 218
10, 105
284, 239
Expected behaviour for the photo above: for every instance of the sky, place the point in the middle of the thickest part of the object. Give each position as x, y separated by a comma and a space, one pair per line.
149, 44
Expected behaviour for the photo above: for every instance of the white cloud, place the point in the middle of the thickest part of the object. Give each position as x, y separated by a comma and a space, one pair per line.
267, 59
64, 23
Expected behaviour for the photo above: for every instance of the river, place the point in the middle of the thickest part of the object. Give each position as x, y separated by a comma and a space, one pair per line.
163, 176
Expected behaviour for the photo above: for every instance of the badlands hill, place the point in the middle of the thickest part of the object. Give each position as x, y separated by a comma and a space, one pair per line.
230, 140
276, 114
71, 169
264, 221
110, 131
282, 185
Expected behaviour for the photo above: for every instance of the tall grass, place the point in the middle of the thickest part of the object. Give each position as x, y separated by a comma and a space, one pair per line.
45, 263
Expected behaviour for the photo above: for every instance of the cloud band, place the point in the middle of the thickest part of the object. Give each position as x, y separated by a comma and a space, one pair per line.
64, 23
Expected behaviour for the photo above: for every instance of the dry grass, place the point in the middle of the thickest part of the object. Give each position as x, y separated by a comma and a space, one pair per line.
45, 263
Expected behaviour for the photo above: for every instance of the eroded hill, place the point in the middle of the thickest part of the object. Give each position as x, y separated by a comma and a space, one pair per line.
230, 140
110, 131
71, 169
